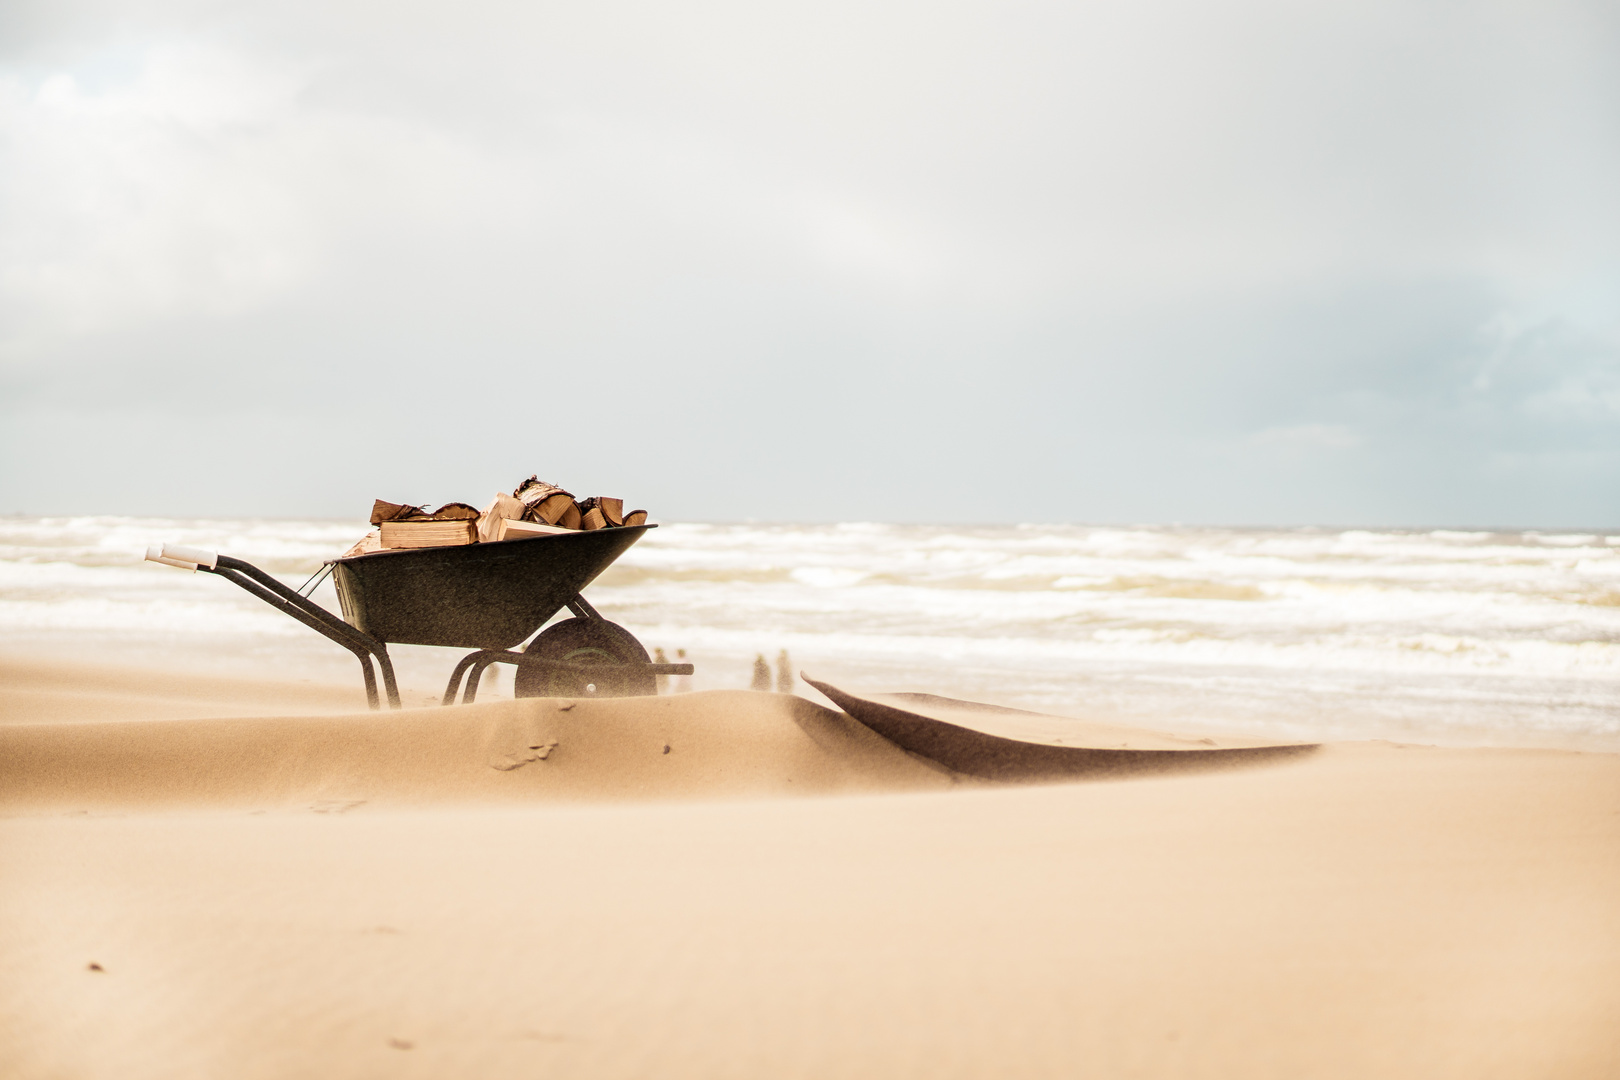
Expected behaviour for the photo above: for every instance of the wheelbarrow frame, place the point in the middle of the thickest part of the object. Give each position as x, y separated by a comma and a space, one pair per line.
371, 648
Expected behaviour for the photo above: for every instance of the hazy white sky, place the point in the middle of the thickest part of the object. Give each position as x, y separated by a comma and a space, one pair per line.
1218, 262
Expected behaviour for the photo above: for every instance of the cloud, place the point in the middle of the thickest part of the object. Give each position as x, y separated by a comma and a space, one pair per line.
146, 197
1106, 261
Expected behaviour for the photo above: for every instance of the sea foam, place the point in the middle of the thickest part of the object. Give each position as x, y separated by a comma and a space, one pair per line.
1448, 636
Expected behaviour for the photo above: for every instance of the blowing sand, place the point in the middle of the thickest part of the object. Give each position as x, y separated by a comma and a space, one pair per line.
203, 878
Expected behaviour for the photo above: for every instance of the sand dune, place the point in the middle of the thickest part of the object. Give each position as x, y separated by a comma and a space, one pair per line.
423, 894
710, 745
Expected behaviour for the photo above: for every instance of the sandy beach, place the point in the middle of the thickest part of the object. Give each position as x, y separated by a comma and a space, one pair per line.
212, 878
1154, 467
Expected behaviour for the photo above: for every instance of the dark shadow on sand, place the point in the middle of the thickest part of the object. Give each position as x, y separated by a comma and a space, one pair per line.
993, 757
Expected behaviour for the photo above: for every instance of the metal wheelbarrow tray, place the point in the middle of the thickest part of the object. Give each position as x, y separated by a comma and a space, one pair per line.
488, 597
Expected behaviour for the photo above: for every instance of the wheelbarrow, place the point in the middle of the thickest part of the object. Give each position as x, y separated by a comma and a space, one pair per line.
487, 597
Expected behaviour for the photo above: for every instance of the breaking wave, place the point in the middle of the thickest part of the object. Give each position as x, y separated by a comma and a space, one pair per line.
1441, 635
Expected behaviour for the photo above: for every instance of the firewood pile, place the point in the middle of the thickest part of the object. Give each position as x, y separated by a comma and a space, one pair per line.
535, 508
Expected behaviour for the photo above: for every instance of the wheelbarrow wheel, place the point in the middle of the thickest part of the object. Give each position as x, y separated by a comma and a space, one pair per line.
585, 641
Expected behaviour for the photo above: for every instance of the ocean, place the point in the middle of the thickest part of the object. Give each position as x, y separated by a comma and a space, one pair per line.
1434, 636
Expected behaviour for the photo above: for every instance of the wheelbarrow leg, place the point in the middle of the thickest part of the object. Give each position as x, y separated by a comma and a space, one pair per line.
455, 676
371, 680
365, 656
476, 674
380, 654
478, 663
387, 666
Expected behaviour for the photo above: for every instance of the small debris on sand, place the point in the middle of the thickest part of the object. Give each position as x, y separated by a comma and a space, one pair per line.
336, 806
533, 752
401, 1044
564, 706
666, 748
97, 967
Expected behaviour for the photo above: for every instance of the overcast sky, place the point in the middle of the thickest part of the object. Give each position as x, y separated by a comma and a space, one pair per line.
1336, 262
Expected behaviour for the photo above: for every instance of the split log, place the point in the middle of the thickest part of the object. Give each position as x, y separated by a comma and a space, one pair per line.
501, 508
382, 511
612, 510
552, 509
368, 543
543, 502
520, 530
429, 533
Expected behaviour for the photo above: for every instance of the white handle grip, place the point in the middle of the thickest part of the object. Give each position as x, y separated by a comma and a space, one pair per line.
180, 553
186, 558
155, 554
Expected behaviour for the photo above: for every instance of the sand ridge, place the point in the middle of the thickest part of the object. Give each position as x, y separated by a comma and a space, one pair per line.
716, 744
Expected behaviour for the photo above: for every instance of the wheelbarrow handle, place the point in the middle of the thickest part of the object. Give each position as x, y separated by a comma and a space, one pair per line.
181, 556
273, 592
